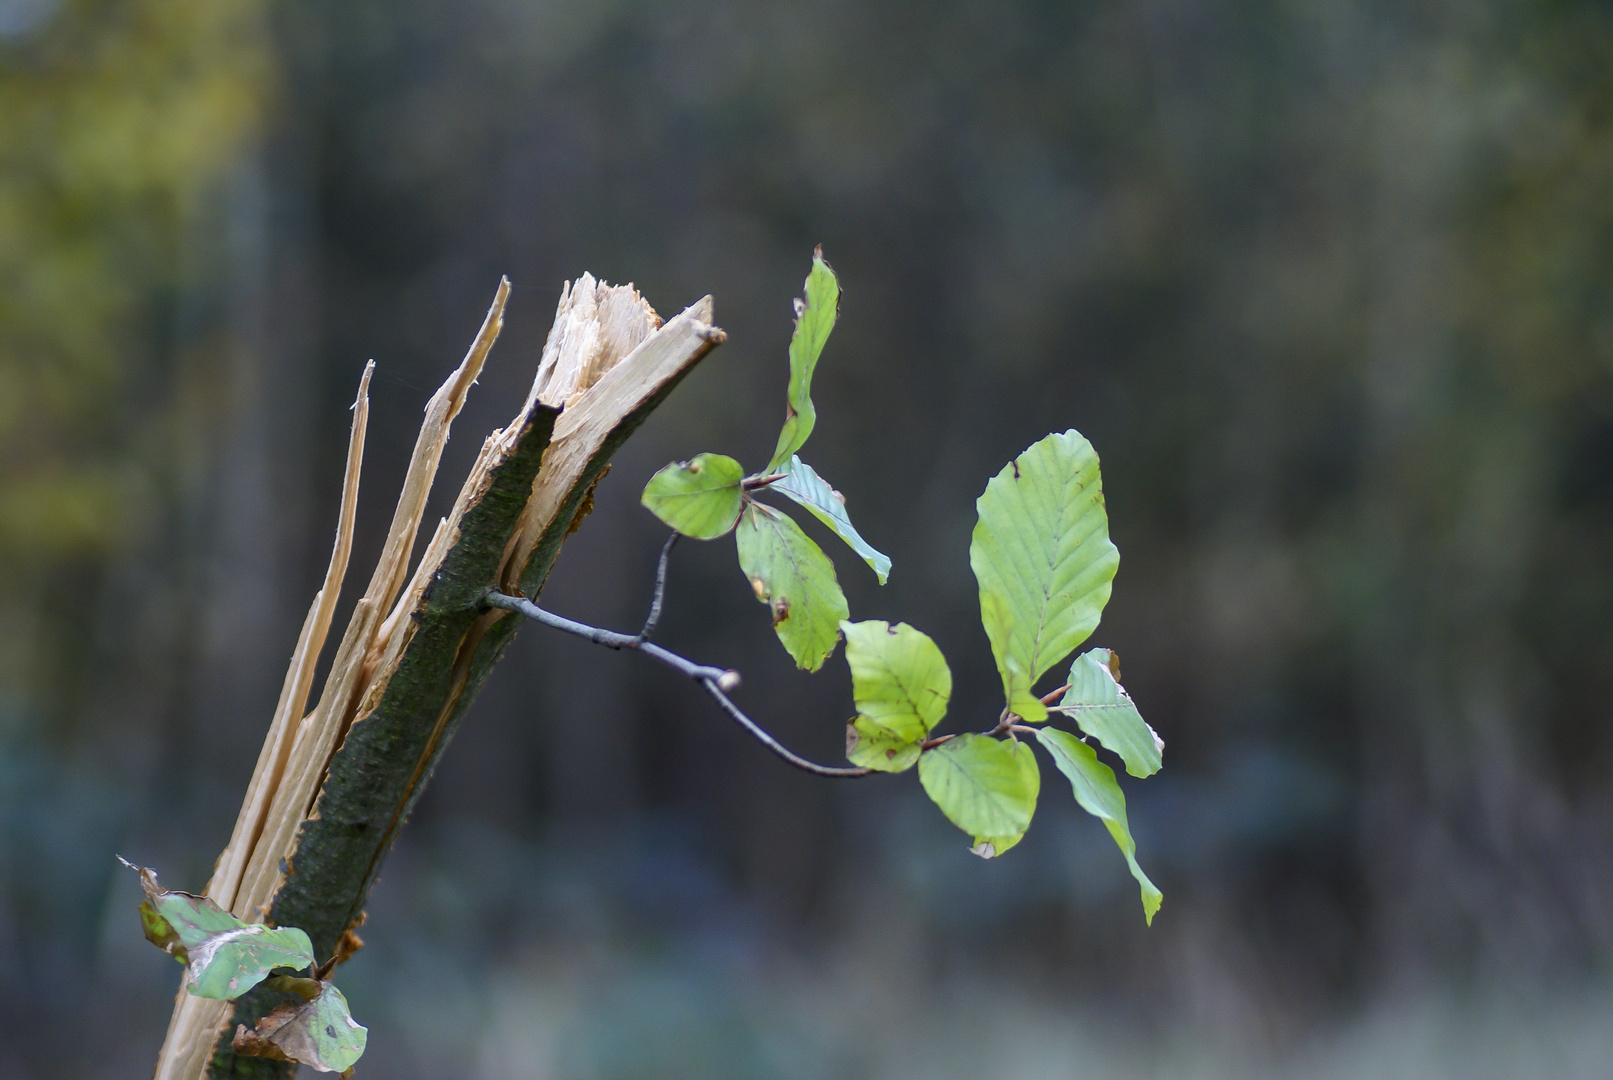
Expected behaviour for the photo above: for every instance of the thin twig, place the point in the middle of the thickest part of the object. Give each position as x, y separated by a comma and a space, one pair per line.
716, 681
660, 589
608, 638
773, 744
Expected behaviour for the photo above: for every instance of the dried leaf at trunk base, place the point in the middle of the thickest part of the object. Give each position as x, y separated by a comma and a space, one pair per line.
320, 1033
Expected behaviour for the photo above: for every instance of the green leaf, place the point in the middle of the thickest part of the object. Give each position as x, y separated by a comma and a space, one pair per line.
989, 847
901, 684
1041, 552
814, 318
873, 747
796, 580
1000, 626
1100, 705
320, 1033
809, 489
985, 787
1100, 796
160, 934
225, 957
699, 498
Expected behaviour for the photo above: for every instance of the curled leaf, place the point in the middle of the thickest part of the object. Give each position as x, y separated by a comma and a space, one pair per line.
224, 956
873, 747
1100, 795
160, 933
319, 1033
805, 486
815, 316
307, 989
1100, 705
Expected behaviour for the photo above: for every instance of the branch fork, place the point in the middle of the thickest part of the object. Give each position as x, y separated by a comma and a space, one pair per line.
717, 682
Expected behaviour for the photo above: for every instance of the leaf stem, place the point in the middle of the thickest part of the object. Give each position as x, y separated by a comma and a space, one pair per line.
1004, 722
714, 680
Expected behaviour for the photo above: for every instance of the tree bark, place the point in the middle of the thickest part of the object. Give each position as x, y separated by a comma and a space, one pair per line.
331, 792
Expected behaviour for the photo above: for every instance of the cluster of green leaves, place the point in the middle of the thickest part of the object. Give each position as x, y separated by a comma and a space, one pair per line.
1044, 562
1042, 556
710, 496
225, 957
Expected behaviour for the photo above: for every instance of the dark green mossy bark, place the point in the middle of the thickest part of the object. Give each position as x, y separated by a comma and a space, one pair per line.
385, 759
384, 762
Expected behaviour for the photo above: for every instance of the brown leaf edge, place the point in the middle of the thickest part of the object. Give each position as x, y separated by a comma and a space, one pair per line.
157, 929
263, 1043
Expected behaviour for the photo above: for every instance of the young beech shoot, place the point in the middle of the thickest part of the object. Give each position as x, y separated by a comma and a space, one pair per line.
1044, 562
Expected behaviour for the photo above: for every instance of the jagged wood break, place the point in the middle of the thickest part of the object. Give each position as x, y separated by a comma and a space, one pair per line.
332, 787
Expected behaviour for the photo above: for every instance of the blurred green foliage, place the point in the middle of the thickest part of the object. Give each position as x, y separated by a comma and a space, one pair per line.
118, 122
122, 127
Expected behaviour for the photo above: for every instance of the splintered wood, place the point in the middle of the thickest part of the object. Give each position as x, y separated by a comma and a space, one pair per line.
607, 362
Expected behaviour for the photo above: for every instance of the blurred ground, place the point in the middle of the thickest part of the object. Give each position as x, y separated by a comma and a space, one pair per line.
1326, 283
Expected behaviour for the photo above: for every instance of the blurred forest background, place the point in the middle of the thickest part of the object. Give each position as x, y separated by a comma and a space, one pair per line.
1327, 283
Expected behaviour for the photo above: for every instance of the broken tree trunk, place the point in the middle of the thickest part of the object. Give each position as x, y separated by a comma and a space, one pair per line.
332, 787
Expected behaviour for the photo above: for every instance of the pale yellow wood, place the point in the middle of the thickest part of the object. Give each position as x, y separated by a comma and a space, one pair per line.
322, 729
300, 675
606, 356
595, 326
195, 1024
583, 428
196, 1021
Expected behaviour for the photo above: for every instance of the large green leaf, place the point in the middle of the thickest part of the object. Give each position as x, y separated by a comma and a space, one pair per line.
1097, 702
320, 1033
814, 318
809, 489
225, 957
796, 580
1100, 796
699, 498
1000, 627
901, 684
1041, 549
985, 787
